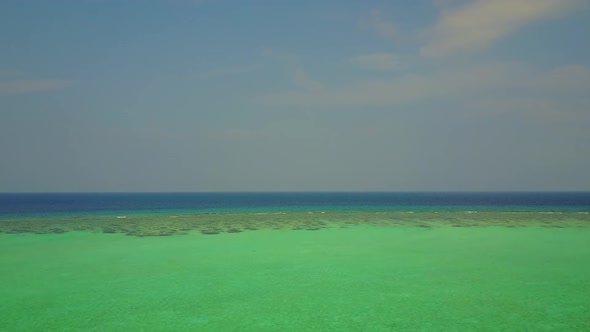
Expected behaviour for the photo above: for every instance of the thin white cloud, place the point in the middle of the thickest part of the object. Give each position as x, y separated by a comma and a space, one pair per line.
479, 23
378, 61
231, 70
379, 24
570, 79
195, 2
280, 56
456, 84
403, 89
302, 80
530, 105
266, 52
15, 87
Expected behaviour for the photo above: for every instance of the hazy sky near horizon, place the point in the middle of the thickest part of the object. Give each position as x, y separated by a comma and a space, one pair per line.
214, 95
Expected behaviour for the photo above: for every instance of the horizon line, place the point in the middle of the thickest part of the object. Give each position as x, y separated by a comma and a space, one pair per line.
294, 191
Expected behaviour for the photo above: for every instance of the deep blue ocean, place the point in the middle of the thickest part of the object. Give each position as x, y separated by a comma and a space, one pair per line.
146, 203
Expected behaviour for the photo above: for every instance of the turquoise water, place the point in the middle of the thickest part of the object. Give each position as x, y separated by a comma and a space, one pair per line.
69, 263
362, 278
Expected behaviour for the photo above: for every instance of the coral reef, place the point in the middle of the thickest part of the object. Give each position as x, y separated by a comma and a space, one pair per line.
212, 224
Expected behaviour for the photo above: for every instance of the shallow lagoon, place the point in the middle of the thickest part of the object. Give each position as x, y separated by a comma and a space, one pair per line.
531, 274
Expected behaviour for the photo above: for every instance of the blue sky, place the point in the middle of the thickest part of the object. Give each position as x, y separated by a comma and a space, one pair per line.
187, 95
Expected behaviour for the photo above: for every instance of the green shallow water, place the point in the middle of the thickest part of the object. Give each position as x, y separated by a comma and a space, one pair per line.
361, 278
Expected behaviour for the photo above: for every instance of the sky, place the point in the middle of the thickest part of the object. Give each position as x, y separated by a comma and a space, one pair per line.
215, 95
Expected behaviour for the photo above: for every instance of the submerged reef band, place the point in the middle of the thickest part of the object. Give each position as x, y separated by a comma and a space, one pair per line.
210, 224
